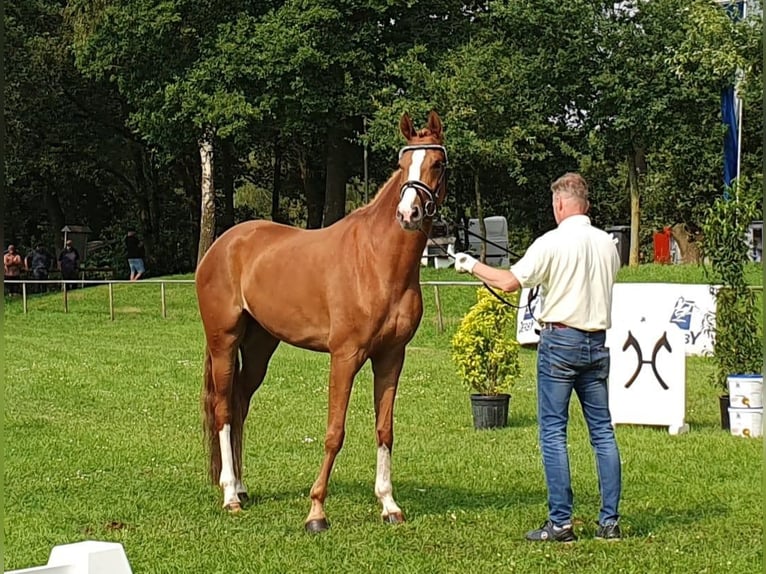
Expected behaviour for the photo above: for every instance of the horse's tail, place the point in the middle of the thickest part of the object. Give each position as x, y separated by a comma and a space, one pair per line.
209, 402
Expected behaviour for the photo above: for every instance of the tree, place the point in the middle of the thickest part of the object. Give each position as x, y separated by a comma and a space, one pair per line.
170, 62
640, 99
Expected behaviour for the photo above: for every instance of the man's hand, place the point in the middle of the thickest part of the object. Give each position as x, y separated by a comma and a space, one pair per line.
464, 263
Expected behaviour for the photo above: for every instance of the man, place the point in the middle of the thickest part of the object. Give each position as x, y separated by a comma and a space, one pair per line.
39, 263
12, 268
69, 263
575, 265
135, 252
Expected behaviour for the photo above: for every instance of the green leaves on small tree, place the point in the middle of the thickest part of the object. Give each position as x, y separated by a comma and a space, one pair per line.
485, 349
737, 329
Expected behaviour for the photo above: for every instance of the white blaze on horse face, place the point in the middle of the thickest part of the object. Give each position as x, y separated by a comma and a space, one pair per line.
383, 488
407, 203
227, 480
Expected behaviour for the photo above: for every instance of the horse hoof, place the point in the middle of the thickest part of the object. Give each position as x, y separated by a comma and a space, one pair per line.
394, 518
317, 525
233, 507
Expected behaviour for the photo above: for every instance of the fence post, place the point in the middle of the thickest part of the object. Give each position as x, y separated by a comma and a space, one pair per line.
66, 297
162, 297
24, 296
439, 318
111, 301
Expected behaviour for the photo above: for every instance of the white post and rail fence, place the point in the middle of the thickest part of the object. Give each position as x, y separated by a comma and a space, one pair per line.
161, 283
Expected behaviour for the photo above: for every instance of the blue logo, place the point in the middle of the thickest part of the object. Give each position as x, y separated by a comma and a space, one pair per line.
682, 313
528, 312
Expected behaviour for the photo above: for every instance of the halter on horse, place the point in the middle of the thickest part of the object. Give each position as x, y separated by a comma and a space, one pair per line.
261, 283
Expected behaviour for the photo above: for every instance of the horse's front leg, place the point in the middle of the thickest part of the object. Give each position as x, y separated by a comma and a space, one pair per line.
386, 369
342, 373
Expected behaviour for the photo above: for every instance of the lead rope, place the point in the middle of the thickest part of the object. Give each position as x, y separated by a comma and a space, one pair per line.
532, 292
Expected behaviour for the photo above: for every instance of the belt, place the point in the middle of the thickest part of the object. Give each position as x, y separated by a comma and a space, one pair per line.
556, 325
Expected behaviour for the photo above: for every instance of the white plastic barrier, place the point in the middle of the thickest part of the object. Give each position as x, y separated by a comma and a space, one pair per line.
88, 557
647, 375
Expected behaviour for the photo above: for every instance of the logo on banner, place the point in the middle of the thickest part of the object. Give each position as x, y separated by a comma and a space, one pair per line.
662, 343
689, 317
531, 312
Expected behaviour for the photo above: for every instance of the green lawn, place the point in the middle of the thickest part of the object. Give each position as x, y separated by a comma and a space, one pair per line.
103, 441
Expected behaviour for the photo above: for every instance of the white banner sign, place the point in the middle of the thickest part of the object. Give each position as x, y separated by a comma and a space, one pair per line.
685, 309
647, 375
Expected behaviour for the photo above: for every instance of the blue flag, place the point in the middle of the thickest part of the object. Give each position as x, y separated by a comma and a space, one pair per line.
730, 138
736, 11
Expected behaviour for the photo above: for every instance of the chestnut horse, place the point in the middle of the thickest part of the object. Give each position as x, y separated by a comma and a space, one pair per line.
351, 290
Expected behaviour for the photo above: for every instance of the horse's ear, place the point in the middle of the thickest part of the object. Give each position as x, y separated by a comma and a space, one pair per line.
406, 127
435, 124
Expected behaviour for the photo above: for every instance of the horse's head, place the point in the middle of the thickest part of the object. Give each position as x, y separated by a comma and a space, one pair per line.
423, 162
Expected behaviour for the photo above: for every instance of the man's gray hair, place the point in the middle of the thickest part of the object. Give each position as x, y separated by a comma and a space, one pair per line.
571, 185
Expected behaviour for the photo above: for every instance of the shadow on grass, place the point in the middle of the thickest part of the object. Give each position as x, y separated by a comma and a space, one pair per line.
648, 523
417, 498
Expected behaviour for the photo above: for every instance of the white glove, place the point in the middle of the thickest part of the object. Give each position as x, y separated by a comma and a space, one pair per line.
464, 263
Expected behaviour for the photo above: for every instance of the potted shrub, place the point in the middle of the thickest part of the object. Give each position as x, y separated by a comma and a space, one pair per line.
486, 354
737, 349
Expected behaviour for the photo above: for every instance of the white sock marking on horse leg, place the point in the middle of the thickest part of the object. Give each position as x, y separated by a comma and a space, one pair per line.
383, 487
227, 481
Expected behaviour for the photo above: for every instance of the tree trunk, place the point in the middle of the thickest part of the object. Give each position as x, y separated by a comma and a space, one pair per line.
313, 188
227, 174
147, 199
188, 171
277, 187
480, 216
688, 243
207, 215
635, 208
55, 214
335, 181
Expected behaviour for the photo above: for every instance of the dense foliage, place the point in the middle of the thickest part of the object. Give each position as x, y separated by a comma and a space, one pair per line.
738, 342
107, 103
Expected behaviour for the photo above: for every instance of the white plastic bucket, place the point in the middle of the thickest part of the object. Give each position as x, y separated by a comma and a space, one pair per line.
745, 391
746, 422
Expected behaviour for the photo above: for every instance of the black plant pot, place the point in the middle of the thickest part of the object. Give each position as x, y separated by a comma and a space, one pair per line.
723, 403
490, 411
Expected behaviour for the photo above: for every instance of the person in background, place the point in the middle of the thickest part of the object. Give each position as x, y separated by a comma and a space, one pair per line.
69, 263
575, 265
134, 249
12, 269
39, 263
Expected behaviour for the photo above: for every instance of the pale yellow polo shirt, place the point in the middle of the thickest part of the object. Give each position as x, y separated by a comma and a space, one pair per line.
575, 266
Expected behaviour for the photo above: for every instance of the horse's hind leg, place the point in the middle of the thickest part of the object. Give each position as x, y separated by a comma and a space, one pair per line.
386, 369
256, 350
223, 425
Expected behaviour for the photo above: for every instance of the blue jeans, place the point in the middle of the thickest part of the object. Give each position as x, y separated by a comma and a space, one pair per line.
136, 266
570, 359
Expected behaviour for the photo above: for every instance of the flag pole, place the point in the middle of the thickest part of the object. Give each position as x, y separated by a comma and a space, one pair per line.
740, 109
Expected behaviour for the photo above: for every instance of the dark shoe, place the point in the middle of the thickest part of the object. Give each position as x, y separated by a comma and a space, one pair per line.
608, 532
549, 532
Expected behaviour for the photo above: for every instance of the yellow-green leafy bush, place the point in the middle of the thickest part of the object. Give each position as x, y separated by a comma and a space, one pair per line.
484, 348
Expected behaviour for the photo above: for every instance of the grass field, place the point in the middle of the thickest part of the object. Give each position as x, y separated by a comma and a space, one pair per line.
103, 441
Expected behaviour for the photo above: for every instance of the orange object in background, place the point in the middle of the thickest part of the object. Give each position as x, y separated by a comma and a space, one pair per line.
662, 246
